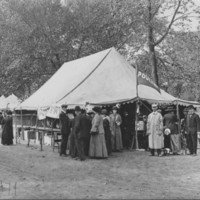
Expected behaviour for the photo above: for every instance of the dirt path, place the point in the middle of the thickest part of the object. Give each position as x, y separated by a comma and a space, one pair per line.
42, 175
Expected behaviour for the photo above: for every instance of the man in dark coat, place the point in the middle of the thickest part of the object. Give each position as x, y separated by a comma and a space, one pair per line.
126, 130
80, 130
89, 126
73, 150
184, 136
65, 129
192, 128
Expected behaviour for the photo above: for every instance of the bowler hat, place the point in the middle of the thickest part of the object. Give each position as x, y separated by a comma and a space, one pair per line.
77, 108
97, 109
191, 107
104, 111
170, 108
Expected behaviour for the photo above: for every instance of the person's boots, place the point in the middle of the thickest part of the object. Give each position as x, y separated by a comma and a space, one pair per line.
152, 152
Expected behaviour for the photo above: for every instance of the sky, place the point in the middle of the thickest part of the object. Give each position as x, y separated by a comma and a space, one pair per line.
194, 19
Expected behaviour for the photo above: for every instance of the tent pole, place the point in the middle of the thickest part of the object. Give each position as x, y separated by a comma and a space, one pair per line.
179, 123
178, 116
137, 107
22, 131
136, 130
14, 125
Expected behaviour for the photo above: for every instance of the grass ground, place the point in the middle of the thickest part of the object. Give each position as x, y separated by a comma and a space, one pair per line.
35, 174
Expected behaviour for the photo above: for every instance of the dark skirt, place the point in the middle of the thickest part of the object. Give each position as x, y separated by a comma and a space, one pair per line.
7, 132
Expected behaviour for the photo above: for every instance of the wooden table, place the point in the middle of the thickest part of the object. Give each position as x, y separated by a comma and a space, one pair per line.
41, 131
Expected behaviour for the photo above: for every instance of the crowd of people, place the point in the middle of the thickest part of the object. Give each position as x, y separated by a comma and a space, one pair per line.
95, 133
164, 135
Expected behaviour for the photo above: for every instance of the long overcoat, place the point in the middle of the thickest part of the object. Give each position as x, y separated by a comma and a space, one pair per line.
155, 130
116, 122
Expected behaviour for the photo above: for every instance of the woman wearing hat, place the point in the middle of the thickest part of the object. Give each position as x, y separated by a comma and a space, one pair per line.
171, 130
97, 140
116, 122
7, 133
106, 125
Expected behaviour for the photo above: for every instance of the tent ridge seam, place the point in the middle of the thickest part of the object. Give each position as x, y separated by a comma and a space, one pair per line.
86, 76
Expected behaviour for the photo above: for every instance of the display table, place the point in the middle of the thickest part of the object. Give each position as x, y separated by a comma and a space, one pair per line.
41, 132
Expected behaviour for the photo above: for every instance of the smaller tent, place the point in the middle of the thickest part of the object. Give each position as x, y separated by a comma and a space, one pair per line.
9, 102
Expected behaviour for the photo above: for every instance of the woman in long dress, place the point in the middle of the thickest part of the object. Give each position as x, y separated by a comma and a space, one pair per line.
116, 122
170, 121
97, 140
7, 132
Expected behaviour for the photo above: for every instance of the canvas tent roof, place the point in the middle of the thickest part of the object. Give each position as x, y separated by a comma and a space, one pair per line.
102, 78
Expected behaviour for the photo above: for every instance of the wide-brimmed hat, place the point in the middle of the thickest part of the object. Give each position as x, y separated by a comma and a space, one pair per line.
90, 112
9, 112
104, 111
170, 108
115, 108
77, 108
97, 109
191, 107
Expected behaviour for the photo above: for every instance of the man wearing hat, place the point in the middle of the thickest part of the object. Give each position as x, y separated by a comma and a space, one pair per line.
64, 128
89, 116
184, 136
81, 132
116, 122
192, 128
172, 140
155, 131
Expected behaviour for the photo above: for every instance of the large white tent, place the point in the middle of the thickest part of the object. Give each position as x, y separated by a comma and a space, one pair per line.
102, 78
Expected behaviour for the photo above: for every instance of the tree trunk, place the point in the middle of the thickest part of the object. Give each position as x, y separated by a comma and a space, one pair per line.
153, 63
151, 44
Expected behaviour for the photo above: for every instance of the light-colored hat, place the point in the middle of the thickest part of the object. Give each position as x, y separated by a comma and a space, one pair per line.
154, 105
89, 111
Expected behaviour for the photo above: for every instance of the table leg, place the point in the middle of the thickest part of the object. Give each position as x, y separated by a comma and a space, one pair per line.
41, 139
28, 138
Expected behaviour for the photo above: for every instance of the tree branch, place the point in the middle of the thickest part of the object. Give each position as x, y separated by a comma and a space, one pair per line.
80, 47
170, 25
156, 10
